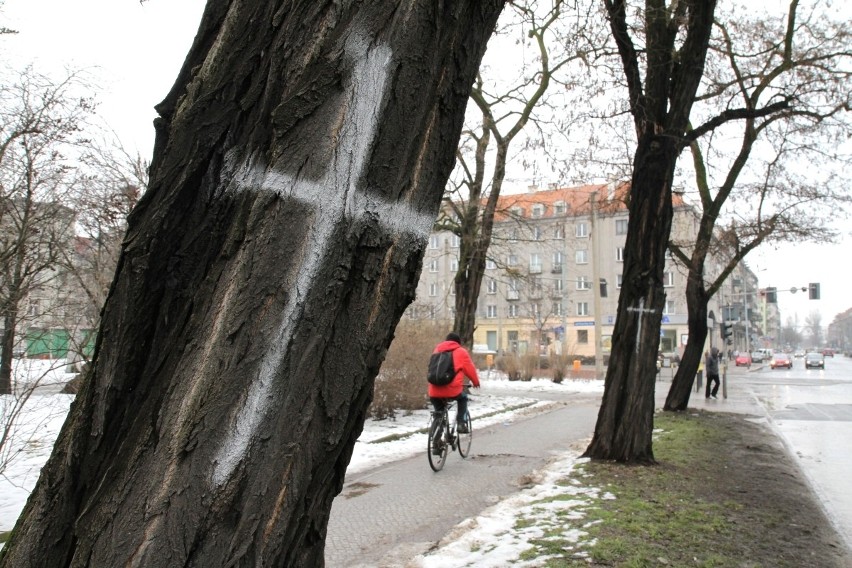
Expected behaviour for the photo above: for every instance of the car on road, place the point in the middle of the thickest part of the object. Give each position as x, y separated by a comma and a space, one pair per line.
780, 360
828, 352
814, 359
759, 356
743, 360
799, 353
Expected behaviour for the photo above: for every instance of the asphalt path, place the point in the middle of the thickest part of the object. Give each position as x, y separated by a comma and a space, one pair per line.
389, 514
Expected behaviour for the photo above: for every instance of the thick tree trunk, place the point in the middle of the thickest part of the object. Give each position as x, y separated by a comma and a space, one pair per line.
626, 418
298, 169
696, 307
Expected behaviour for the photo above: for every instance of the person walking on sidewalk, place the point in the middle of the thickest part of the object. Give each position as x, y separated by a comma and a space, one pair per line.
464, 367
711, 368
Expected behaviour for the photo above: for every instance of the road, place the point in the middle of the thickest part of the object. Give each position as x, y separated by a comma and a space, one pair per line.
811, 410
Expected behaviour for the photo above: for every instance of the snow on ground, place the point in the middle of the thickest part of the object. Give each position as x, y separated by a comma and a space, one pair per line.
493, 543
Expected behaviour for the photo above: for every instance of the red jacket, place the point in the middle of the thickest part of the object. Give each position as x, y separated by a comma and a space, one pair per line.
464, 368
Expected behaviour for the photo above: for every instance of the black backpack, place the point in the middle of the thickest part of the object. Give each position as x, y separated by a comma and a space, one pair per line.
441, 368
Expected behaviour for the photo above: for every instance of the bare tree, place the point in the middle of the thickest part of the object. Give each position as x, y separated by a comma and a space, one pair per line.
296, 175
662, 49
504, 109
41, 120
813, 327
790, 79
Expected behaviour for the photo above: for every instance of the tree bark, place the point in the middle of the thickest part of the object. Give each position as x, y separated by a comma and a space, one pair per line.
626, 418
696, 307
676, 41
299, 164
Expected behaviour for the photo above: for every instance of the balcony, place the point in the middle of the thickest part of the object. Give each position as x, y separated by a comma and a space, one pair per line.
513, 295
557, 269
535, 269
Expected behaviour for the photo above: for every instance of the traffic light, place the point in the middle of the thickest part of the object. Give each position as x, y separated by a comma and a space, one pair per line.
813, 290
772, 295
726, 330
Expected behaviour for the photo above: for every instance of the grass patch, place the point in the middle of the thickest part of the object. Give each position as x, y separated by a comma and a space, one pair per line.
4, 536
720, 496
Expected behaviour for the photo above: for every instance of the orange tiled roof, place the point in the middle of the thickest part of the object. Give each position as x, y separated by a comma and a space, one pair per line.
611, 198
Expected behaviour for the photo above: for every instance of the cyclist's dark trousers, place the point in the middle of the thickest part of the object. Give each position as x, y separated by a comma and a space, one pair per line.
438, 404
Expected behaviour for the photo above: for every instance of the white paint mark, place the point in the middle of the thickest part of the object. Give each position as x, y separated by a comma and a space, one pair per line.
331, 206
641, 309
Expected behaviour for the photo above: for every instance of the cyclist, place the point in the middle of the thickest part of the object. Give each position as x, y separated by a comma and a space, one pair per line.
464, 367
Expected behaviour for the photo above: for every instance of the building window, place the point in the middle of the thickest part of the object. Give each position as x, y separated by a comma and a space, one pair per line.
491, 311
559, 208
582, 256
517, 211
537, 210
433, 289
512, 310
454, 265
558, 286
489, 265
557, 309
621, 226
619, 254
492, 286
455, 241
582, 336
619, 280
582, 308
537, 233
581, 230
557, 263
670, 307
535, 308
512, 260
432, 312
583, 283
558, 233
434, 241
433, 265
535, 263
513, 236
668, 279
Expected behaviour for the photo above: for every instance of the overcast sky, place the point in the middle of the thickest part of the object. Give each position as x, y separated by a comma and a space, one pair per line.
135, 52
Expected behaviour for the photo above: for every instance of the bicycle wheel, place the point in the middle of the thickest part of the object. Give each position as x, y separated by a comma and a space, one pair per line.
437, 449
464, 439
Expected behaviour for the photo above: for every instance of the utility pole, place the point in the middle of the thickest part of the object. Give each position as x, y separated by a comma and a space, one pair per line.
596, 286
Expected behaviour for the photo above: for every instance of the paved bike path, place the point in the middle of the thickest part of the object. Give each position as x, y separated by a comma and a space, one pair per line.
392, 513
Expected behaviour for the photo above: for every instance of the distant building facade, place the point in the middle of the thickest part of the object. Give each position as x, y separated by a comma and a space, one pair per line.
538, 291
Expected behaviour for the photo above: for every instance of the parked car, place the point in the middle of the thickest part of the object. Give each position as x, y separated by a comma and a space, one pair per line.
743, 360
781, 360
814, 360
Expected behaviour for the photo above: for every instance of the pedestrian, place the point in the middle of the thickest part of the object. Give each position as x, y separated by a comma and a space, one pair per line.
464, 367
711, 367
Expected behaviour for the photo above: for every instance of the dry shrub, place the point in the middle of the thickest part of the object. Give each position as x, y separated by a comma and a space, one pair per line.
511, 365
401, 382
530, 366
558, 364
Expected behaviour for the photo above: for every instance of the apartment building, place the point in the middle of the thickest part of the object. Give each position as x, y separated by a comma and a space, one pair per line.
538, 292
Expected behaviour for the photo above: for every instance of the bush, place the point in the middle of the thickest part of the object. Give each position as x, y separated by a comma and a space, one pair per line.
401, 382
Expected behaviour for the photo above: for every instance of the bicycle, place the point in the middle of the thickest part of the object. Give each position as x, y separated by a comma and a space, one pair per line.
443, 437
